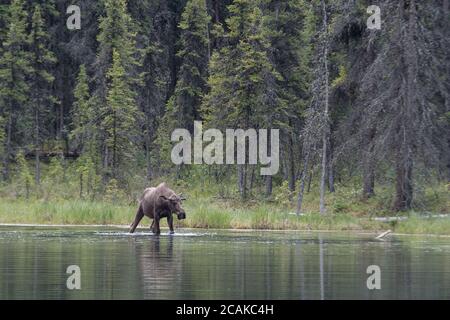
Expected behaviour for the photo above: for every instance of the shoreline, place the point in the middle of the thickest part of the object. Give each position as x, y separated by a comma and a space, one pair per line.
118, 226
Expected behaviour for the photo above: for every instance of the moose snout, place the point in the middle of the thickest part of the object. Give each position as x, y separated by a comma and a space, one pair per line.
181, 215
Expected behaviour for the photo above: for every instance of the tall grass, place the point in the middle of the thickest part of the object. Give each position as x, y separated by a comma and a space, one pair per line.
205, 214
63, 212
421, 225
214, 205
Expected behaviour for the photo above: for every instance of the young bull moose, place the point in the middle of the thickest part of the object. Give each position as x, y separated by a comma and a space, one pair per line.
157, 203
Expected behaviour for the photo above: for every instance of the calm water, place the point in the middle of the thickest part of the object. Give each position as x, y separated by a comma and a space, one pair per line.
207, 264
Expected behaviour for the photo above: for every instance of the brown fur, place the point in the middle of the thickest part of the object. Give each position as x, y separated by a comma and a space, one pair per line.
157, 203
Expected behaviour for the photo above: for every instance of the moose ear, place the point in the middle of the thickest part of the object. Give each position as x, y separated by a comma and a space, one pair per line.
164, 197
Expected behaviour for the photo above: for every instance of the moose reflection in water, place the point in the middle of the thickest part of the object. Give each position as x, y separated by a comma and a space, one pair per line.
159, 271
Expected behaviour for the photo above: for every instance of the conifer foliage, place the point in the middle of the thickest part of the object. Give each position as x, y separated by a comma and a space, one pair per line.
353, 105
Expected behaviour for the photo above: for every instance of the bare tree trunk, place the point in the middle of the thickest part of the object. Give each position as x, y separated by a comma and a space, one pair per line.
448, 143
302, 183
291, 164
323, 176
37, 148
217, 11
242, 181
325, 115
61, 122
308, 190
252, 179
114, 159
403, 187
269, 186
242, 168
7, 152
27, 189
368, 181
148, 158
404, 161
285, 165
331, 187
245, 182
368, 166
105, 164
89, 187
446, 8
81, 185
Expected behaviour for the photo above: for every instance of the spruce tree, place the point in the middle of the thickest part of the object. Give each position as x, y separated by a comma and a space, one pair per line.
156, 40
400, 95
119, 118
24, 175
116, 33
242, 78
289, 35
194, 56
41, 79
116, 40
358, 49
85, 134
184, 106
2, 134
14, 89
3, 22
83, 113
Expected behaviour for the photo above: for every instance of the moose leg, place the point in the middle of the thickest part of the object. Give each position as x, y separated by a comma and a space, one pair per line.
151, 227
170, 223
156, 228
137, 219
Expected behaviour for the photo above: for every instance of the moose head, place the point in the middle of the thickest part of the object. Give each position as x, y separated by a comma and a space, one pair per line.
174, 204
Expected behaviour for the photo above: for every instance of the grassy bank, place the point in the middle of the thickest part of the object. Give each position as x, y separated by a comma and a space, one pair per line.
217, 205
201, 214
204, 213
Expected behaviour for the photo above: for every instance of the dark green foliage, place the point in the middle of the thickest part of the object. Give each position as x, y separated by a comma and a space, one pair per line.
15, 65
183, 108
84, 131
116, 78
194, 56
244, 84
242, 77
41, 79
349, 102
119, 118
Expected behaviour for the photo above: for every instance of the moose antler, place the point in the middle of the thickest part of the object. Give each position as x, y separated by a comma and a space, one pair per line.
181, 196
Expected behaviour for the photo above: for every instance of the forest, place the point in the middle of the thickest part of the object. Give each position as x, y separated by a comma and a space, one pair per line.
87, 113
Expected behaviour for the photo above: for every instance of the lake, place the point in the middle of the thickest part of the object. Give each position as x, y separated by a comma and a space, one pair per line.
212, 264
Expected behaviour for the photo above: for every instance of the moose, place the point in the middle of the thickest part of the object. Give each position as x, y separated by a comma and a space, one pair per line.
157, 203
